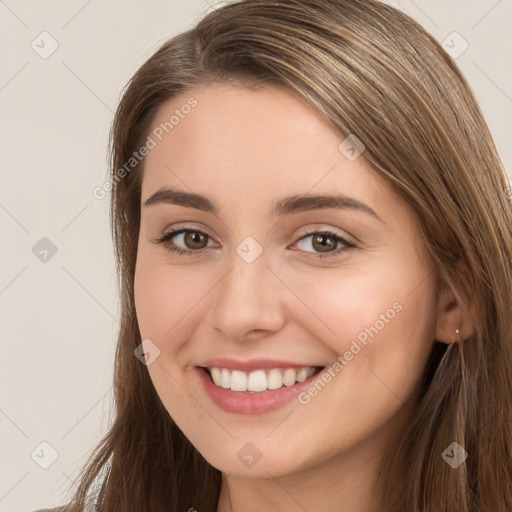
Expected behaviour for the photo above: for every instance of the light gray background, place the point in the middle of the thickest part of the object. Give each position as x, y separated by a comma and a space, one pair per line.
59, 317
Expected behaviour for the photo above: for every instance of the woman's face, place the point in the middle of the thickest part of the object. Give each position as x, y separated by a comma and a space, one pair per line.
263, 286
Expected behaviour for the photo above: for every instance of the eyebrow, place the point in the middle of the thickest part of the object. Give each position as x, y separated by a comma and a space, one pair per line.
281, 207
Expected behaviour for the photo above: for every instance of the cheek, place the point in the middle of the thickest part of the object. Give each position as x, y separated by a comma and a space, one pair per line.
379, 318
342, 304
155, 303
164, 296
166, 300
170, 302
383, 332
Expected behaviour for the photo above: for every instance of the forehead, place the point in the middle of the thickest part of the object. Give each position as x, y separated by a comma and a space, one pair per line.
235, 123
246, 147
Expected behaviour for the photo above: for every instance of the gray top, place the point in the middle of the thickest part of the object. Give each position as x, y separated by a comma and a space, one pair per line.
57, 509
88, 508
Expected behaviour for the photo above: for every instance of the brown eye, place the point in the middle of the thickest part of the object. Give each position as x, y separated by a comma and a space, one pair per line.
195, 240
184, 241
324, 243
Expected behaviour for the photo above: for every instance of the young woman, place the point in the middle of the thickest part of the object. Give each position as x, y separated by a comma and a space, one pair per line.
313, 232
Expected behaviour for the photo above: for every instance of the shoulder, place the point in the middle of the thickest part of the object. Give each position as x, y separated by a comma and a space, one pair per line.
56, 509
64, 508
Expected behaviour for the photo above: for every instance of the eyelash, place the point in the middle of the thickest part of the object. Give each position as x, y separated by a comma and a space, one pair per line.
172, 248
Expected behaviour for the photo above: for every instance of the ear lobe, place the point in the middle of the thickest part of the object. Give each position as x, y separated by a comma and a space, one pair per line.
449, 320
457, 314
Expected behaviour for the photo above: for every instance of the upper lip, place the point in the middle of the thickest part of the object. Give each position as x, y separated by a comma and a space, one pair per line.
253, 364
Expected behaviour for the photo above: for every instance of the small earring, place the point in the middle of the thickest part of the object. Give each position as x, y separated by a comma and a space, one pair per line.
457, 331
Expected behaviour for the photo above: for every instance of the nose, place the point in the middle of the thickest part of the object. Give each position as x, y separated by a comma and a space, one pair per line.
249, 300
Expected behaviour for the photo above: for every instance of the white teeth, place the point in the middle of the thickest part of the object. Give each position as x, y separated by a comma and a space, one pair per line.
259, 380
302, 375
226, 379
238, 381
289, 377
274, 379
216, 376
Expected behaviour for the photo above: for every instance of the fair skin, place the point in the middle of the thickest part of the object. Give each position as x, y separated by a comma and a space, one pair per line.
244, 149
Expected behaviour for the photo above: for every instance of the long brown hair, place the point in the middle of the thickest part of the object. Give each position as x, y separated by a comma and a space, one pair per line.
371, 71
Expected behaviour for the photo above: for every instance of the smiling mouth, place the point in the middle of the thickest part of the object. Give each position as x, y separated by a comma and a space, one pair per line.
259, 380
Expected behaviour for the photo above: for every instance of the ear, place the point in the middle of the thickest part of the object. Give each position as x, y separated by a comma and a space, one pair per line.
456, 311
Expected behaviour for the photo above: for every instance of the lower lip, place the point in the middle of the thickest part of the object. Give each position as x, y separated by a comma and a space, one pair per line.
244, 402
